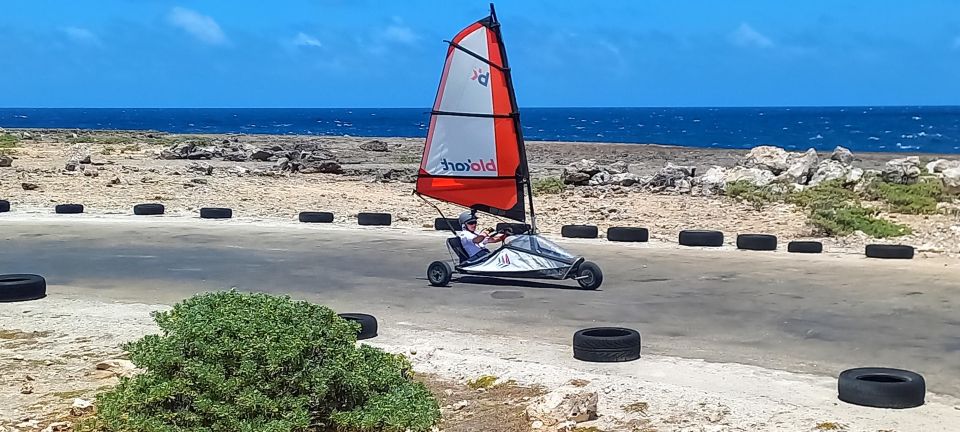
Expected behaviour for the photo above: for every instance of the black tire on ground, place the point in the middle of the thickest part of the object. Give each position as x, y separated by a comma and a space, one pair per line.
606, 344
881, 388
22, 287
368, 324
439, 273
757, 242
589, 275
805, 247
889, 251
701, 238
148, 209
216, 213
381, 219
68, 208
4, 206
446, 224
514, 228
316, 217
579, 231
627, 234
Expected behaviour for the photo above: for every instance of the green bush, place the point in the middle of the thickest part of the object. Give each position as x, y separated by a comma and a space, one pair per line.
758, 196
836, 210
845, 219
919, 198
547, 186
8, 141
228, 361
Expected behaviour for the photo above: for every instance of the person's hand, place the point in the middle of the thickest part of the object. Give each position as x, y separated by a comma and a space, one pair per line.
488, 230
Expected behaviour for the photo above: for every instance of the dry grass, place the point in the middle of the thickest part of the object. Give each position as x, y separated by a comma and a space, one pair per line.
498, 408
830, 426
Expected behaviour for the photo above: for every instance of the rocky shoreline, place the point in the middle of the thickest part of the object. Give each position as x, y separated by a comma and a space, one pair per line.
664, 188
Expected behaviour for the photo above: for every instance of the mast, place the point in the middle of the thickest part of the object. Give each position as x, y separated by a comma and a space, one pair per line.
508, 75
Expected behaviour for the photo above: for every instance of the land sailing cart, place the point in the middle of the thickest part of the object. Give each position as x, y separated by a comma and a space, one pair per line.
475, 158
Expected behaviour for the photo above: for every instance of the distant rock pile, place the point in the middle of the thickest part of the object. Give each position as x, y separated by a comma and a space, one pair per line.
306, 161
763, 166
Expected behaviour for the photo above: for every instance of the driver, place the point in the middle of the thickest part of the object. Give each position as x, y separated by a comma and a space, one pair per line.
475, 243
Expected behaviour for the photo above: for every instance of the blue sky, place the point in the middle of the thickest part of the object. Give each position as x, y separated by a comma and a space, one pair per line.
363, 53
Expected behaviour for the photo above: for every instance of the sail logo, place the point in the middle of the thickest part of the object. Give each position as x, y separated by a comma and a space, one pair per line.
481, 77
504, 260
469, 165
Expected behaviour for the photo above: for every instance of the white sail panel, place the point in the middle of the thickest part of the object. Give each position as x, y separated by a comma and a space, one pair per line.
462, 147
466, 87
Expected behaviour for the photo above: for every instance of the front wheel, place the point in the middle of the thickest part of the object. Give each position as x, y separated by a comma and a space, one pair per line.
589, 276
439, 273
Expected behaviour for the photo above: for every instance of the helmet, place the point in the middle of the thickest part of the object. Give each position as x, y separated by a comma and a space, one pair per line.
465, 217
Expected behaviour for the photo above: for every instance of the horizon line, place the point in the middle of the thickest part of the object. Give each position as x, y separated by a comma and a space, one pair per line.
529, 107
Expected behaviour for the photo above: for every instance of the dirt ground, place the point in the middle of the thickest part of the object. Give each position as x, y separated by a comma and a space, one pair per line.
50, 350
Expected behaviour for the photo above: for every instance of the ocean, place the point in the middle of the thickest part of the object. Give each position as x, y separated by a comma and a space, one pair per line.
875, 129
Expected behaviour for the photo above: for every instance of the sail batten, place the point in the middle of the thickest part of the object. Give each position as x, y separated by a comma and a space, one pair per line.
474, 154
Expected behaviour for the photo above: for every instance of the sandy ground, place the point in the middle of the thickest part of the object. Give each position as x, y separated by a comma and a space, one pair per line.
128, 177
49, 348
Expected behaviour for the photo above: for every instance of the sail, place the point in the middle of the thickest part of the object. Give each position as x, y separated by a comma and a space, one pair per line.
474, 154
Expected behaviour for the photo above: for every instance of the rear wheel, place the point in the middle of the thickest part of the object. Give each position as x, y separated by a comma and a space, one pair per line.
439, 273
589, 276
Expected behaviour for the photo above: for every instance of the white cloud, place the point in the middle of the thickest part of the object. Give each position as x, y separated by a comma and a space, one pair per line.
746, 36
198, 25
81, 35
397, 32
306, 40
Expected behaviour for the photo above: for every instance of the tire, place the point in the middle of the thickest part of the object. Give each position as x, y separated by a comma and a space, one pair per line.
316, 217
439, 273
579, 231
374, 219
68, 208
216, 213
148, 209
881, 388
4, 206
593, 277
701, 238
368, 324
889, 251
514, 228
626, 234
805, 247
22, 287
757, 242
446, 224
606, 344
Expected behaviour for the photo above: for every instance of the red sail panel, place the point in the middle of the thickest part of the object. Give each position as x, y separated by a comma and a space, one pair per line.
472, 155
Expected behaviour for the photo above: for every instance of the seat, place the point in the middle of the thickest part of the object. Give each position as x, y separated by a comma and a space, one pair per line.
454, 244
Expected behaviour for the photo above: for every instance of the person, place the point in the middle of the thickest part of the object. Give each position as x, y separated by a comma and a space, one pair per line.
475, 243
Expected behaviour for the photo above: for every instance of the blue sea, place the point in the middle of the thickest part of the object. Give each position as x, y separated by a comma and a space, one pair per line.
878, 129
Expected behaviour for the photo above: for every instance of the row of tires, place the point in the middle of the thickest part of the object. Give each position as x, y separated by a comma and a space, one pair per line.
701, 238
153, 209
873, 387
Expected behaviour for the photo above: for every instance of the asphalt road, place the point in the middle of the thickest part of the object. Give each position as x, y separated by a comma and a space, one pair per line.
818, 314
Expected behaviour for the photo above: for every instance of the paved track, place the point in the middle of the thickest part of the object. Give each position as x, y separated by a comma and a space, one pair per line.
809, 314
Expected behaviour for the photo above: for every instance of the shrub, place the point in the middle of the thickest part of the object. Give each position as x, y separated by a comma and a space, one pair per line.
547, 186
107, 150
919, 198
8, 141
836, 210
228, 361
758, 196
